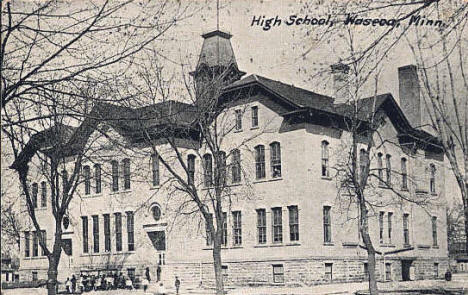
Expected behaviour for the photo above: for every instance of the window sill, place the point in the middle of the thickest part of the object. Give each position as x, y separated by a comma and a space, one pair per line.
35, 258
328, 244
387, 245
293, 244
268, 180
350, 244
434, 194
278, 244
107, 253
261, 246
254, 127
407, 246
92, 195
404, 189
237, 247
126, 191
155, 187
328, 178
238, 131
435, 247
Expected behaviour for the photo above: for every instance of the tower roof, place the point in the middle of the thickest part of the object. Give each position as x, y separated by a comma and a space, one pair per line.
216, 50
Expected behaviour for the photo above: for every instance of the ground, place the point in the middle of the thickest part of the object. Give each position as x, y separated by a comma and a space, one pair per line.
460, 281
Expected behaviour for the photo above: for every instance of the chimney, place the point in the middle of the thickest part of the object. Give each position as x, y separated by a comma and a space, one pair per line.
340, 82
410, 95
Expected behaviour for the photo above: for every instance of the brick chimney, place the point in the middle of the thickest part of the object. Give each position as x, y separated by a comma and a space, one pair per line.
340, 82
411, 102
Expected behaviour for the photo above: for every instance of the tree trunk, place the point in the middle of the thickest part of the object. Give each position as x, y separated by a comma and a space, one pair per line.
465, 211
218, 265
52, 275
364, 220
371, 267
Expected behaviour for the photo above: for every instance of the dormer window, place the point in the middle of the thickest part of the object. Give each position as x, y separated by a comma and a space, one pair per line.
275, 155
238, 114
115, 176
126, 173
254, 111
325, 170
87, 179
404, 174
432, 182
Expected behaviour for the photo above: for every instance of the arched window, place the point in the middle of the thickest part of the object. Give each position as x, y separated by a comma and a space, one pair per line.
325, 162
275, 159
155, 169
432, 181
208, 169
236, 166
404, 174
380, 169
87, 179
191, 168
115, 175
156, 212
363, 159
260, 161
97, 178
388, 169
126, 173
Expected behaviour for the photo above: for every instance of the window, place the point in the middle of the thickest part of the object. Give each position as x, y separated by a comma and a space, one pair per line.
87, 179
277, 225
43, 237
404, 174
254, 111
84, 222
118, 231
366, 270
236, 166
65, 182
115, 176
208, 169
388, 271
27, 245
380, 169
156, 212
220, 167
34, 195
237, 227
97, 178
107, 237
381, 226
130, 231
293, 223
278, 273
155, 169
95, 233
238, 120
329, 272
275, 157
432, 183
389, 225
126, 172
434, 231
388, 169
327, 238
363, 159
35, 251
436, 270
261, 226
209, 238
224, 232
325, 163
224, 269
406, 229
43, 194
131, 273
34, 276
260, 161
191, 168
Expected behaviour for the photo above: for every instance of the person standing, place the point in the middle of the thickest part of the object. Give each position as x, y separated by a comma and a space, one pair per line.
177, 284
68, 285
73, 284
158, 272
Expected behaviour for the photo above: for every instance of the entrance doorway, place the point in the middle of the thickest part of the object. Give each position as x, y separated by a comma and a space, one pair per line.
405, 269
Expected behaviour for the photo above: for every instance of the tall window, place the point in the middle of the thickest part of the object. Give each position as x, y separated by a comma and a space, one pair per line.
43, 237
293, 223
87, 179
260, 161
432, 181
238, 120
277, 225
84, 222
208, 169
404, 174
236, 166
381, 226
261, 226
389, 226
406, 229
362, 163
327, 238
388, 169
220, 175
126, 173
191, 168
27, 246
115, 175
380, 169
237, 227
275, 157
95, 233
34, 194
388, 271
118, 231
254, 111
97, 178
130, 231
43, 194
155, 169
434, 231
35, 251
325, 157
329, 272
224, 232
107, 237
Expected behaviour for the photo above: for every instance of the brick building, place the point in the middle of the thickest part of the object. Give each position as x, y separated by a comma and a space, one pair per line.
285, 224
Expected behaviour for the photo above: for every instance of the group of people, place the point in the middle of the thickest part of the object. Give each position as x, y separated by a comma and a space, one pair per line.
86, 283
